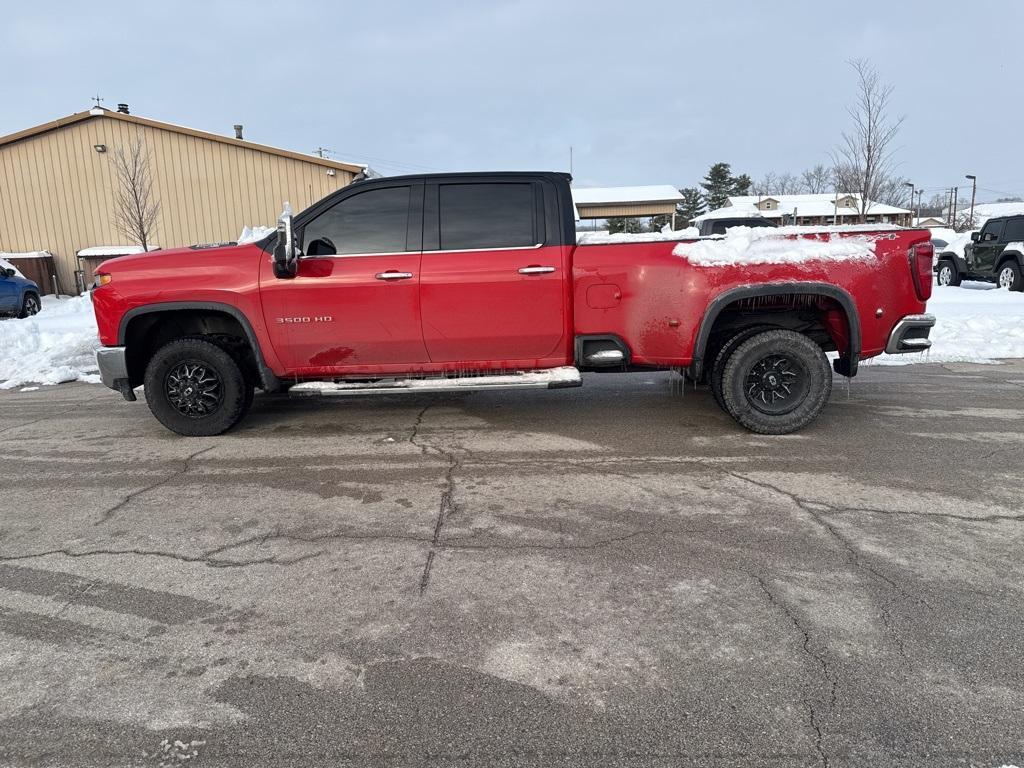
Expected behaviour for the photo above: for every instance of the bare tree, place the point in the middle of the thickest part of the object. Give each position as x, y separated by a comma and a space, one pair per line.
863, 161
777, 184
765, 185
136, 207
817, 180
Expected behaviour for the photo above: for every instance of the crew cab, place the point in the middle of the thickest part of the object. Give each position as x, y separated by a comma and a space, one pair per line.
994, 255
476, 281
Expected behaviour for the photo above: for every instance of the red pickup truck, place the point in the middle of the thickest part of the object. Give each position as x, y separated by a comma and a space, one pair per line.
476, 281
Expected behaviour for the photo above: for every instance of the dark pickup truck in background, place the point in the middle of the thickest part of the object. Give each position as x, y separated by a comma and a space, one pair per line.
994, 255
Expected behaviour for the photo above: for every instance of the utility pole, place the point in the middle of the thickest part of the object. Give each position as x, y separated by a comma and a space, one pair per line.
956, 194
974, 190
570, 159
321, 151
920, 194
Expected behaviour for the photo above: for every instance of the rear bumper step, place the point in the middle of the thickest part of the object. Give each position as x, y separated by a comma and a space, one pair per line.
910, 335
548, 378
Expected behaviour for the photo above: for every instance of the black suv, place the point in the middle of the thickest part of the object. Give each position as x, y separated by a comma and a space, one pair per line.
995, 255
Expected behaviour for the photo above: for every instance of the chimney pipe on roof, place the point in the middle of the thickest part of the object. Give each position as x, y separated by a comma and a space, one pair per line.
238, 132
122, 108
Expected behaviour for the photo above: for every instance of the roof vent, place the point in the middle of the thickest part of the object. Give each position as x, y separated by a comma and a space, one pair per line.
238, 132
122, 108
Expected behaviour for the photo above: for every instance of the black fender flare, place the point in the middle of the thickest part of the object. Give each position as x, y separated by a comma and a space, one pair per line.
958, 261
269, 380
1006, 256
846, 366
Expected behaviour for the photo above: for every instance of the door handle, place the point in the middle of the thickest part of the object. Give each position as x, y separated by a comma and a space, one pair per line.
535, 270
393, 275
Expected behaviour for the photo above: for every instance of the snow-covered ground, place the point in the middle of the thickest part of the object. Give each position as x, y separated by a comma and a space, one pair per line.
57, 345
976, 323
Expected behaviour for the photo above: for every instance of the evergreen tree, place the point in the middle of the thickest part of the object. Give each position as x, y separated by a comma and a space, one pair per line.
691, 206
741, 185
628, 225
717, 185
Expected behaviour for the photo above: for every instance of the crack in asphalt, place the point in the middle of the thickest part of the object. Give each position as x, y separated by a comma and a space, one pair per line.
819, 661
853, 556
108, 514
447, 506
209, 557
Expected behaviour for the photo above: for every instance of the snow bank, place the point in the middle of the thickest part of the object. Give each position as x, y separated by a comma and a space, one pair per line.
57, 345
760, 245
975, 323
252, 234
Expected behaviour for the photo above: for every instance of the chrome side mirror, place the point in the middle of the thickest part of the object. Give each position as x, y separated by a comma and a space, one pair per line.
285, 253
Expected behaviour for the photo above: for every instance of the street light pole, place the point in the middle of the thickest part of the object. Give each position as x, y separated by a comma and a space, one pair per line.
920, 194
911, 185
974, 190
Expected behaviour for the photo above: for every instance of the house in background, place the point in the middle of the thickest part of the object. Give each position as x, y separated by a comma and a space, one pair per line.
809, 210
58, 181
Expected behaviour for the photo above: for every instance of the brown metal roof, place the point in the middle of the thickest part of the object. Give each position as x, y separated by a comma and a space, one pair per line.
101, 112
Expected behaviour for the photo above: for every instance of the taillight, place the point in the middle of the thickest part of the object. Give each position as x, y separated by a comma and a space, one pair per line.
921, 256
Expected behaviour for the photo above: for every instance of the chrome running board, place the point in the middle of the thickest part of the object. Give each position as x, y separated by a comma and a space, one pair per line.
547, 378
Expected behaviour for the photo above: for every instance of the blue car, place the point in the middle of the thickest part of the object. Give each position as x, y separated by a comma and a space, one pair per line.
19, 296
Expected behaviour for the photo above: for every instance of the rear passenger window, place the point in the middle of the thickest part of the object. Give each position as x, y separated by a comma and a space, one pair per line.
487, 216
1014, 231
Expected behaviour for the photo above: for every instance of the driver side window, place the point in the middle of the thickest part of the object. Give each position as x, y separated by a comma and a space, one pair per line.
991, 232
374, 221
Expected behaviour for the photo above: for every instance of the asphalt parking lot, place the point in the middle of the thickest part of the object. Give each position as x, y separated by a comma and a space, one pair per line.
614, 575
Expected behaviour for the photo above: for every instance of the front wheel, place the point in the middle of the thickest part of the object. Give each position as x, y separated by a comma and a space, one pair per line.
196, 388
776, 382
1010, 277
30, 305
948, 274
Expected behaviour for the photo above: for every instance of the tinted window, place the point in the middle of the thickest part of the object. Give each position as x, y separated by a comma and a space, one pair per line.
374, 221
1014, 231
486, 215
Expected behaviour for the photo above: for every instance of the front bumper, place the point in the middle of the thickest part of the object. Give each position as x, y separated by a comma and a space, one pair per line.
910, 335
113, 366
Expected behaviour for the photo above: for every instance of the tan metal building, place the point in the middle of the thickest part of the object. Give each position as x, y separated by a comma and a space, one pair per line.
57, 184
615, 202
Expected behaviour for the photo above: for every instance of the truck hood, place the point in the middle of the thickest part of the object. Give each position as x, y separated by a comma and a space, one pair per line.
187, 257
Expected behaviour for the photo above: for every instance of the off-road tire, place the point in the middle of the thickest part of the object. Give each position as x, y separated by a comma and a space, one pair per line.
30, 305
234, 392
954, 274
755, 360
1017, 280
722, 357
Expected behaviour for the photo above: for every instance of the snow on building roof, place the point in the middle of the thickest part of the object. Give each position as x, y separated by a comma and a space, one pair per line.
985, 211
799, 205
26, 255
656, 193
114, 250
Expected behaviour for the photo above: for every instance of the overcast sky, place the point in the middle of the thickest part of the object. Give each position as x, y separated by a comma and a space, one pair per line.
645, 93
